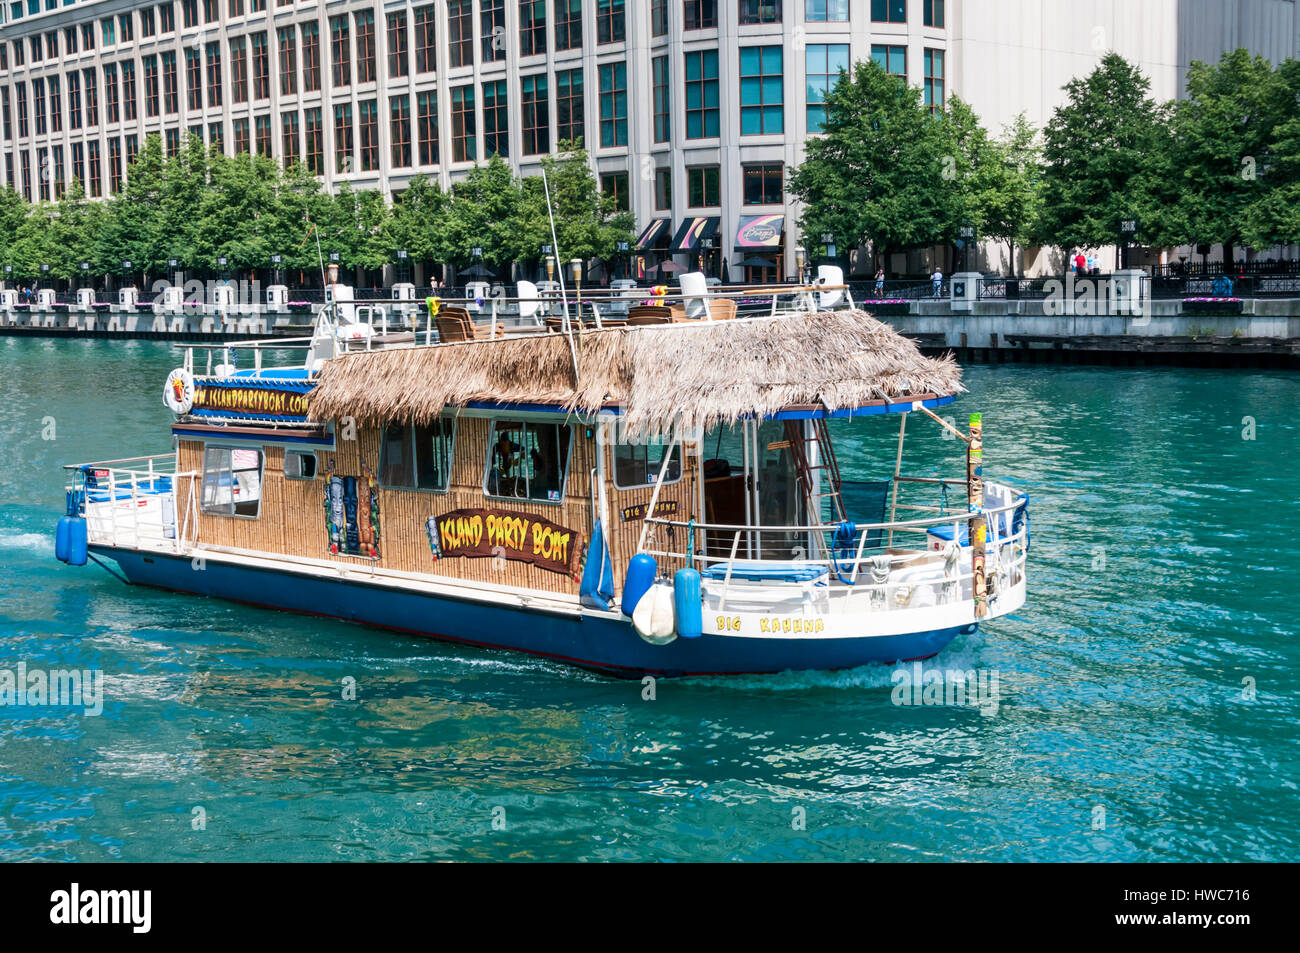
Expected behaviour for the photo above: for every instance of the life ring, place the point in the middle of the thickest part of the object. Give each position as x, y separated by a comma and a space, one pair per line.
178, 391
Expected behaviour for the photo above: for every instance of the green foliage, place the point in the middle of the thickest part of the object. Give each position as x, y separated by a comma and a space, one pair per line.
1103, 149
884, 171
588, 223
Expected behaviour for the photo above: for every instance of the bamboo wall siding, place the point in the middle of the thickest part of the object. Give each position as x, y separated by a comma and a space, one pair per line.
292, 521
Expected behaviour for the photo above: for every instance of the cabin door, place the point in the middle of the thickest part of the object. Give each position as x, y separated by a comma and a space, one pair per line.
750, 480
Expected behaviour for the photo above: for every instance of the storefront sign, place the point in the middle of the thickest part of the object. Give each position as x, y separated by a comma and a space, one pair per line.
522, 537
257, 401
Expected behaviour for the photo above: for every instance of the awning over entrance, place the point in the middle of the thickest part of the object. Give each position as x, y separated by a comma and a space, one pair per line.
693, 231
655, 236
760, 232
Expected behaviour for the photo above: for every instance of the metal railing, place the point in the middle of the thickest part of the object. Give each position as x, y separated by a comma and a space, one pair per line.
137, 502
853, 557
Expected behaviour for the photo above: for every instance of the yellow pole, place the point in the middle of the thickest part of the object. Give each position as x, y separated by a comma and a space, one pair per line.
977, 527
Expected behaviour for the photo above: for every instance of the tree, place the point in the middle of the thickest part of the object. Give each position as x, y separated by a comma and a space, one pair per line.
1223, 132
1011, 215
14, 210
588, 223
1273, 216
1102, 150
878, 173
417, 219
133, 227
483, 212
75, 231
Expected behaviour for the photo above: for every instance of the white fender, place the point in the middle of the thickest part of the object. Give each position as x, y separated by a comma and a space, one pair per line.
653, 615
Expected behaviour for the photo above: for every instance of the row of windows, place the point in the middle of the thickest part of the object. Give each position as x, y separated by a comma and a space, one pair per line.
762, 106
610, 17
526, 460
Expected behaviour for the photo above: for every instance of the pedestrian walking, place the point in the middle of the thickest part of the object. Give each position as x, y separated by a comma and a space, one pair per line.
937, 280
880, 282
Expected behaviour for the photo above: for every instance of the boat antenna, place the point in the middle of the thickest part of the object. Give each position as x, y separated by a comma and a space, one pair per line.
555, 244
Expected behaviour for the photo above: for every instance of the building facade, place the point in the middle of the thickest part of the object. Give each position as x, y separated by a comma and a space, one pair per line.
692, 110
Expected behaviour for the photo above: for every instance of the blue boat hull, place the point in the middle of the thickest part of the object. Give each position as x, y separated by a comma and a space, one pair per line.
607, 644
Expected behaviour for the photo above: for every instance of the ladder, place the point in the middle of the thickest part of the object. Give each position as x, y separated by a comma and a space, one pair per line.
808, 472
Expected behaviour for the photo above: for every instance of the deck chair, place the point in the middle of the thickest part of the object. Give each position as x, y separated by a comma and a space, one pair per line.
451, 327
722, 309
649, 314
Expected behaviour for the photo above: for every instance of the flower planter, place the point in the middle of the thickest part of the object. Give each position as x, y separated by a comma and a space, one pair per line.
887, 307
1213, 306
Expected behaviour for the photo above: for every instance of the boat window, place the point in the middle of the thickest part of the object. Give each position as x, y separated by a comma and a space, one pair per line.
637, 462
232, 482
417, 458
528, 460
299, 466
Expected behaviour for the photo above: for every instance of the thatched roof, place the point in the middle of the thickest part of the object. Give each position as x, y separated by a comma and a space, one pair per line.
696, 374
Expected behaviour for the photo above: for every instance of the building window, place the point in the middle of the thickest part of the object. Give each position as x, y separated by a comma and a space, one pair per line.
663, 190
399, 131
934, 80
343, 138
426, 105
532, 27
125, 23
889, 11
568, 24
214, 74
703, 186
496, 120
762, 95
111, 113
96, 188
78, 162
658, 17
288, 61
261, 67
166, 18
492, 29
891, 59
128, 90
210, 11
236, 8
262, 132
365, 22
74, 103
369, 135
340, 51
217, 136
398, 63
613, 104
702, 94
20, 93
173, 142
826, 11
417, 458
614, 185
610, 25
189, 13
460, 32
763, 184
152, 103
289, 136
239, 135
759, 11
464, 131
43, 177
171, 102
700, 14
114, 165
38, 101
193, 80
59, 182
310, 57
822, 65
27, 174
92, 97
527, 460
425, 40
662, 104
570, 119
56, 106
238, 70
314, 125
535, 110
105, 32
933, 13
232, 482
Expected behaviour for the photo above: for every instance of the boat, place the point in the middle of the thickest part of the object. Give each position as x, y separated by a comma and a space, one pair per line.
640, 498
